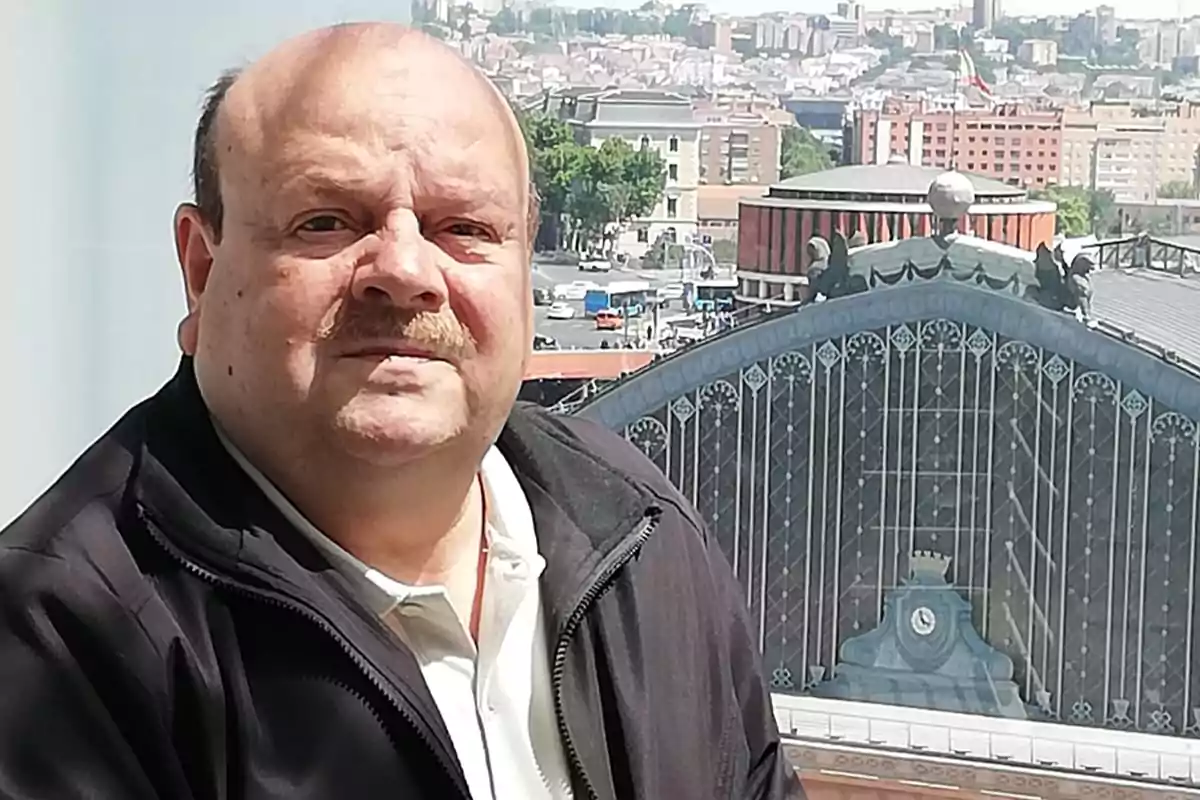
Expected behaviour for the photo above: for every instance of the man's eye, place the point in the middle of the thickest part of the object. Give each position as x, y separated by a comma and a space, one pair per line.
466, 229
325, 223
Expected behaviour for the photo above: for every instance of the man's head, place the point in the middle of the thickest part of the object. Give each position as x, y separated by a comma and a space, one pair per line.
357, 259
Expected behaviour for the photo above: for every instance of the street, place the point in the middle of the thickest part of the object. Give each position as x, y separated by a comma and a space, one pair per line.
581, 332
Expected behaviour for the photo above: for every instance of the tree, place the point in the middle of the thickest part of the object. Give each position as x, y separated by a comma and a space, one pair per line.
505, 22
1074, 215
678, 23
802, 153
613, 184
588, 191
554, 162
945, 37
1103, 212
1177, 190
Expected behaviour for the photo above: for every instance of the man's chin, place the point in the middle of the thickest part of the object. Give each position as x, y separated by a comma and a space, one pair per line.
395, 430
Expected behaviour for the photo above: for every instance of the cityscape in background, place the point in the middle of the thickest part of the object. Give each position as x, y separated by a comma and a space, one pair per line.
1081, 109
905, 304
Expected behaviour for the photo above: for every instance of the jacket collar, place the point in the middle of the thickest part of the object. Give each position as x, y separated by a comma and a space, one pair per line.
583, 504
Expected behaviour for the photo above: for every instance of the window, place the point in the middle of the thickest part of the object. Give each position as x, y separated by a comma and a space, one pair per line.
673, 171
645, 142
643, 234
673, 144
672, 207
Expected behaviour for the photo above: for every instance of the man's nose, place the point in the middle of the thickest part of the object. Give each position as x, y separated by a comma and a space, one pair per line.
400, 269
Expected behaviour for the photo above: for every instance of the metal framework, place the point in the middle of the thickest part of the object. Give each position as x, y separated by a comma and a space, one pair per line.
1057, 466
1149, 252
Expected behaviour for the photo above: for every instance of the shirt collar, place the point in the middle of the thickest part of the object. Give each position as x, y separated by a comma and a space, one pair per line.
510, 530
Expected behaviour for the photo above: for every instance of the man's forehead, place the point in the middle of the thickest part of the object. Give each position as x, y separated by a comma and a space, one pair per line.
345, 115
455, 169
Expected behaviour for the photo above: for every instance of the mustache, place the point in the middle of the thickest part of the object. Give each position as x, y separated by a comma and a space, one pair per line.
440, 333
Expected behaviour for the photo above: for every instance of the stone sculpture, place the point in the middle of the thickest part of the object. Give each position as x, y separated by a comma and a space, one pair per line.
829, 271
1061, 287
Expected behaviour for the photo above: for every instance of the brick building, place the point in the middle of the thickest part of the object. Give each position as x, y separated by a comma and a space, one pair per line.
1010, 144
882, 202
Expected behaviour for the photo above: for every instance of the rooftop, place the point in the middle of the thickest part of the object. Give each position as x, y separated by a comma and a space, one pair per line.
1157, 305
567, 364
889, 179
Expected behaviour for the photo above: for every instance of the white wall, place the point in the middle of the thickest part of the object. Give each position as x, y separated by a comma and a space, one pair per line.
97, 105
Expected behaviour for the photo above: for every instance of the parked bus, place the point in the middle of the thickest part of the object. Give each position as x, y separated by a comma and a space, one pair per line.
631, 298
711, 295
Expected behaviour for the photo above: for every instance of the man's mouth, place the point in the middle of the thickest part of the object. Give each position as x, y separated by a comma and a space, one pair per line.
384, 351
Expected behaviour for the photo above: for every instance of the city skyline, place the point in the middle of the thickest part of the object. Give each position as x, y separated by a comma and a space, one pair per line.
1139, 9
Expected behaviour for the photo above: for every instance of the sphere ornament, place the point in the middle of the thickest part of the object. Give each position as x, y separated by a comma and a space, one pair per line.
951, 195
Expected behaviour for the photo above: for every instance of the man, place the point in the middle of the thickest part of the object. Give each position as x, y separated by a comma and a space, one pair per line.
330, 558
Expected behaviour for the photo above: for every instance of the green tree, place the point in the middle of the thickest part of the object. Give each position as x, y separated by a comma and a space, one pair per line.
1103, 212
1177, 190
505, 22
894, 45
1074, 215
614, 183
555, 160
587, 190
541, 21
678, 23
801, 153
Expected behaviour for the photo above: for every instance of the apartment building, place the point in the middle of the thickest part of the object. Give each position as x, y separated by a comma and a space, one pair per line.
661, 120
741, 138
985, 13
1038, 52
1016, 145
715, 34
1131, 149
742, 148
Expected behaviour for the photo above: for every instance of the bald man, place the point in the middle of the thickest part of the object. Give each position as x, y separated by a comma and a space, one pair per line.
331, 558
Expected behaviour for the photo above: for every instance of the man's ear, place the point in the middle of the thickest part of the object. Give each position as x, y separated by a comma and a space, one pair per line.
193, 248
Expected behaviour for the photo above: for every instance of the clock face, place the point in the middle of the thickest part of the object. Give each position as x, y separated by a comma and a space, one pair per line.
923, 621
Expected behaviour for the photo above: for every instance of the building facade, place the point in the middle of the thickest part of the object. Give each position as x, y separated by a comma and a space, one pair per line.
740, 149
883, 203
1038, 52
662, 121
825, 118
985, 13
1131, 149
965, 520
719, 216
1010, 144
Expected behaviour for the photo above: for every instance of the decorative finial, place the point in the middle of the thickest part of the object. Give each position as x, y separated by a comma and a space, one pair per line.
928, 563
950, 196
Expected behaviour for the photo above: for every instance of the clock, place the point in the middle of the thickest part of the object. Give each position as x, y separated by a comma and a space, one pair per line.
923, 620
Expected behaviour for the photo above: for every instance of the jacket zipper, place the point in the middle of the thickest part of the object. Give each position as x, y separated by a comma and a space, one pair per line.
325, 627
616, 562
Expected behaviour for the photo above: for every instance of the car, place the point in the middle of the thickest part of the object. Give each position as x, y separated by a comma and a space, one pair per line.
541, 297
575, 290
609, 320
543, 342
561, 311
595, 265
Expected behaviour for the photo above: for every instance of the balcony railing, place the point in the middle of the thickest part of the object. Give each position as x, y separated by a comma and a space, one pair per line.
1140, 756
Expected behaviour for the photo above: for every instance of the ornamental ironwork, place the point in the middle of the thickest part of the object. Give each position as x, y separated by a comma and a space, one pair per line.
1064, 498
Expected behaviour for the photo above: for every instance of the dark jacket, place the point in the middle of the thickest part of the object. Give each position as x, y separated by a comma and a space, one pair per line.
166, 634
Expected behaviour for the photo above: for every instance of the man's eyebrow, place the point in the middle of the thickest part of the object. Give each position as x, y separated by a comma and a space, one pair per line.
315, 180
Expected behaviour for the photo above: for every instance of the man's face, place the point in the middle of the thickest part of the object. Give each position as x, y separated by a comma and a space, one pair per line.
370, 291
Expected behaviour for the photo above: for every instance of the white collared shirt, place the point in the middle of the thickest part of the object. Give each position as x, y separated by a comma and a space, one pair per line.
496, 700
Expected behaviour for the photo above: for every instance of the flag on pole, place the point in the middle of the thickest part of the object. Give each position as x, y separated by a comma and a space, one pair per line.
968, 76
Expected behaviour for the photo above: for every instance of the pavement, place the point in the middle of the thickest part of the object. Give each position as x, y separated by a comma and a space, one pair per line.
581, 332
